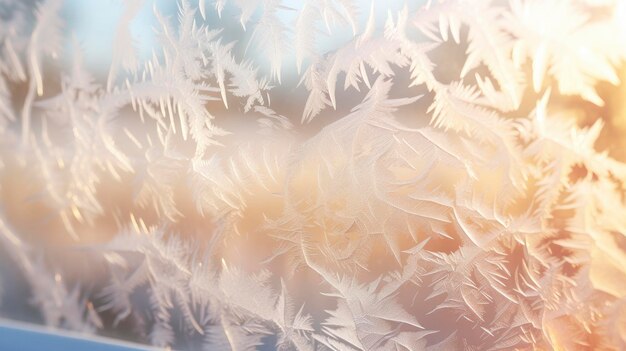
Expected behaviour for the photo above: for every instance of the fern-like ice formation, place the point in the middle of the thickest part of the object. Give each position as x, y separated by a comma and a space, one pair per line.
424, 179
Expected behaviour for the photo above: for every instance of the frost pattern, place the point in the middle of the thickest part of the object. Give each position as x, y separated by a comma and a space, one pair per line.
448, 199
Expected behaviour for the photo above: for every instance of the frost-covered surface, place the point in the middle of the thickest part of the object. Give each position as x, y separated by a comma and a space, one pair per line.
425, 180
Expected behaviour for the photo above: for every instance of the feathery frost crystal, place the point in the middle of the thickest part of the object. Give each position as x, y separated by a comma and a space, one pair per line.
318, 174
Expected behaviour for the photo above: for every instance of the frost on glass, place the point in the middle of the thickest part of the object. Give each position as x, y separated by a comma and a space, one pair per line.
332, 175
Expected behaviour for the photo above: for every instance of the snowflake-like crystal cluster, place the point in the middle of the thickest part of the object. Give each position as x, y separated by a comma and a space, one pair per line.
324, 175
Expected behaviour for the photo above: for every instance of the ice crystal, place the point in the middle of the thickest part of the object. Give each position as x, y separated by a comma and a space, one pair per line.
318, 175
